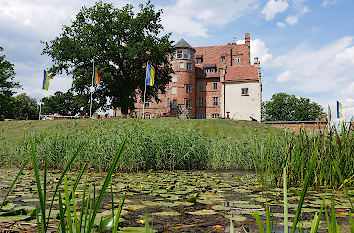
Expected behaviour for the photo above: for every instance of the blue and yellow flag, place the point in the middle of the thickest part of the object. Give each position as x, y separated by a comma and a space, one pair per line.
150, 75
339, 110
46, 78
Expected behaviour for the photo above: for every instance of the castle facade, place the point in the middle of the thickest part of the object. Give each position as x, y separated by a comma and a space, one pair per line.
210, 82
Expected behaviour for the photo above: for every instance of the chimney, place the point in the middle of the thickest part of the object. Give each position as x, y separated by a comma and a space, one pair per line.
247, 39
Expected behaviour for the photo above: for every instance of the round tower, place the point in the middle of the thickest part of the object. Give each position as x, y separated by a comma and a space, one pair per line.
182, 86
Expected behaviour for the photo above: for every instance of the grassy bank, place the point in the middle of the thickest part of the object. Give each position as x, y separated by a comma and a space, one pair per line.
154, 144
182, 144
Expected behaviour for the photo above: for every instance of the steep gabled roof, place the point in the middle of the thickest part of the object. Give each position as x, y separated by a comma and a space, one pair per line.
182, 44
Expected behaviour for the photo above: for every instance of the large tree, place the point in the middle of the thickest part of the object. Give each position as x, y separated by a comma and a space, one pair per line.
7, 86
66, 104
25, 107
120, 42
284, 107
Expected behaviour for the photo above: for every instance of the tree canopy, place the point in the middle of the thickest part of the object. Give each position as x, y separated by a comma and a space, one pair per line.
7, 86
24, 107
284, 107
119, 42
66, 104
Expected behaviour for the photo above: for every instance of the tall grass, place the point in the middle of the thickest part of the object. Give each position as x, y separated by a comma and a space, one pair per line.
167, 144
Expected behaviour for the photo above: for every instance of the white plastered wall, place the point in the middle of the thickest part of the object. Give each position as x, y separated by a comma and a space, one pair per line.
242, 107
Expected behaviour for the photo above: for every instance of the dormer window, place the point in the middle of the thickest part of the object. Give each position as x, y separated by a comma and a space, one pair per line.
209, 70
199, 59
222, 58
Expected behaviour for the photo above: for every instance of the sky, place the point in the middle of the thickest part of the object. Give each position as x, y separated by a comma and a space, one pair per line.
306, 47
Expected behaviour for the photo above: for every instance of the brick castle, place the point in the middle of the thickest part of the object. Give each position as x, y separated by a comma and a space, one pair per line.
210, 82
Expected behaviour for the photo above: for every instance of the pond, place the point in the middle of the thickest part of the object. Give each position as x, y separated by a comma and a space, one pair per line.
175, 201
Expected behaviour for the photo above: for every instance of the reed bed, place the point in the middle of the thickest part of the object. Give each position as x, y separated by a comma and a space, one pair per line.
169, 144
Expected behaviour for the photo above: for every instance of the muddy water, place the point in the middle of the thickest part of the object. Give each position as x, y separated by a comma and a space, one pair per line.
176, 201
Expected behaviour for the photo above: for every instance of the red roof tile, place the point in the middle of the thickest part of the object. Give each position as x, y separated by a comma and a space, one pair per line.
241, 73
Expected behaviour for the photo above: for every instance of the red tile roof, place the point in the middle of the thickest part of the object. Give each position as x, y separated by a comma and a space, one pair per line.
241, 73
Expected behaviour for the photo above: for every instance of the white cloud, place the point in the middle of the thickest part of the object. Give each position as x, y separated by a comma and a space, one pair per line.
260, 50
285, 76
292, 19
281, 24
329, 2
193, 18
274, 7
327, 70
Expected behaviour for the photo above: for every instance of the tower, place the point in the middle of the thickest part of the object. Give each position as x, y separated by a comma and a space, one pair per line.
181, 93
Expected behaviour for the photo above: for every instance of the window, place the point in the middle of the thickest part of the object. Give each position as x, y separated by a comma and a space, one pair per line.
173, 57
215, 86
200, 116
181, 65
189, 66
179, 53
191, 54
209, 71
237, 60
146, 116
188, 88
174, 90
245, 91
174, 104
188, 104
199, 60
174, 79
201, 86
222, 58
215, 115
200, 102
147, 104
215, 101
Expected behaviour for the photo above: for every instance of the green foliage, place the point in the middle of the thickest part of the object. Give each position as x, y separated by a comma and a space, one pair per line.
7, 86
24, 107
284, 107
120, 42
67, 104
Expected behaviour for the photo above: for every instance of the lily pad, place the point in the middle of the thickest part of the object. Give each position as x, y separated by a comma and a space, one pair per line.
167, 213
220, 207
203, 212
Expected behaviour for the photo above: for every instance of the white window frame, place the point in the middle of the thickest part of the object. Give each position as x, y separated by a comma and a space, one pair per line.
179, 52
201, 116
215, 115
215, 101
201, 102
188, 88
147, 104
237, 60
188, 104
244, 91
189, 66
215, 86
174, 90
174, 79
181, 65
199, 60
147, 116
222, 58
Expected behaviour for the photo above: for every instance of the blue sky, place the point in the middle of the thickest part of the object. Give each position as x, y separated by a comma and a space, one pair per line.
305, 47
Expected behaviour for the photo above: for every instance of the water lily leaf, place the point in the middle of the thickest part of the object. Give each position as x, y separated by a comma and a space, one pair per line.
14, 212
237, 218
107, 223
203, 212
205, 201
167, 213
220, 207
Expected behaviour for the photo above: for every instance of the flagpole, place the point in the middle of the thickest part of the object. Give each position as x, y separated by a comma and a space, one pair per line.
91, 89
144, 99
